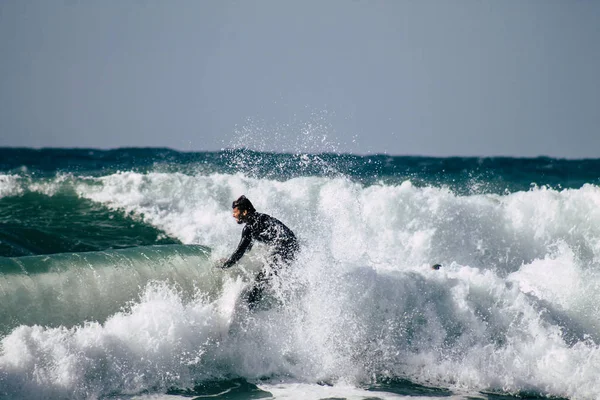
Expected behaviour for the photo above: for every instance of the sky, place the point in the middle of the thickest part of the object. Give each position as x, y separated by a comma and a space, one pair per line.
402, 77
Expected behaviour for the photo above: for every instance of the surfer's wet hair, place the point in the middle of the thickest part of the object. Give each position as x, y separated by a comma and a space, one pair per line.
243, 204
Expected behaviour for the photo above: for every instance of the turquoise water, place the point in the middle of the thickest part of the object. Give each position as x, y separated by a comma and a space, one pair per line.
108, 287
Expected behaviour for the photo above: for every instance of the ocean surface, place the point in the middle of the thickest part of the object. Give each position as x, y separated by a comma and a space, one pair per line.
108, 285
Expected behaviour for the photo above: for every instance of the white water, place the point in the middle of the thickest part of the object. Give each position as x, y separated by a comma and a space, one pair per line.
515, 307
9, 185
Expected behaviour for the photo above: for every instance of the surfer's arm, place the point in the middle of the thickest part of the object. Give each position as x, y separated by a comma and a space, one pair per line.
245, 245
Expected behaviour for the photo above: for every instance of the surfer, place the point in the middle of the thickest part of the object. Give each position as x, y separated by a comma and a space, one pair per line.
266, 229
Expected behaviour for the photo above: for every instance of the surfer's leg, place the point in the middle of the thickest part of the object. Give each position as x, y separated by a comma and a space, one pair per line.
256, 291
262, 281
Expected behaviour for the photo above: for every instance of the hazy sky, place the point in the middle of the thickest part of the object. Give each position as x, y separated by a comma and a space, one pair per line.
472, 77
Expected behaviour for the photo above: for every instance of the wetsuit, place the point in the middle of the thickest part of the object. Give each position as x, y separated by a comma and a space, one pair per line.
265, 229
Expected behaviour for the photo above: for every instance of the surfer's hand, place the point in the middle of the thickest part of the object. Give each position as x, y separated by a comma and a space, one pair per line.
221, 263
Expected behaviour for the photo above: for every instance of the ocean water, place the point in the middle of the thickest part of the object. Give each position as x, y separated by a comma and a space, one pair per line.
108, 288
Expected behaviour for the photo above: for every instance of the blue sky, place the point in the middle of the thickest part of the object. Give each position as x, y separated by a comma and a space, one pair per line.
439, 78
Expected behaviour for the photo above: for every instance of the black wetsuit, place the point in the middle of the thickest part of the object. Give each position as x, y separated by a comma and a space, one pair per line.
265, 229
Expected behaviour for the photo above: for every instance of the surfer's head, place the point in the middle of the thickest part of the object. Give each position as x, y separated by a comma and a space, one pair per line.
242, 208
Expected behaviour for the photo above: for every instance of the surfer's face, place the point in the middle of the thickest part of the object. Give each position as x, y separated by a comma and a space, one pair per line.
240, 216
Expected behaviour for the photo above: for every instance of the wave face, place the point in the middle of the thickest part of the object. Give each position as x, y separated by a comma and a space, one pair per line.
140, 309
71, 288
